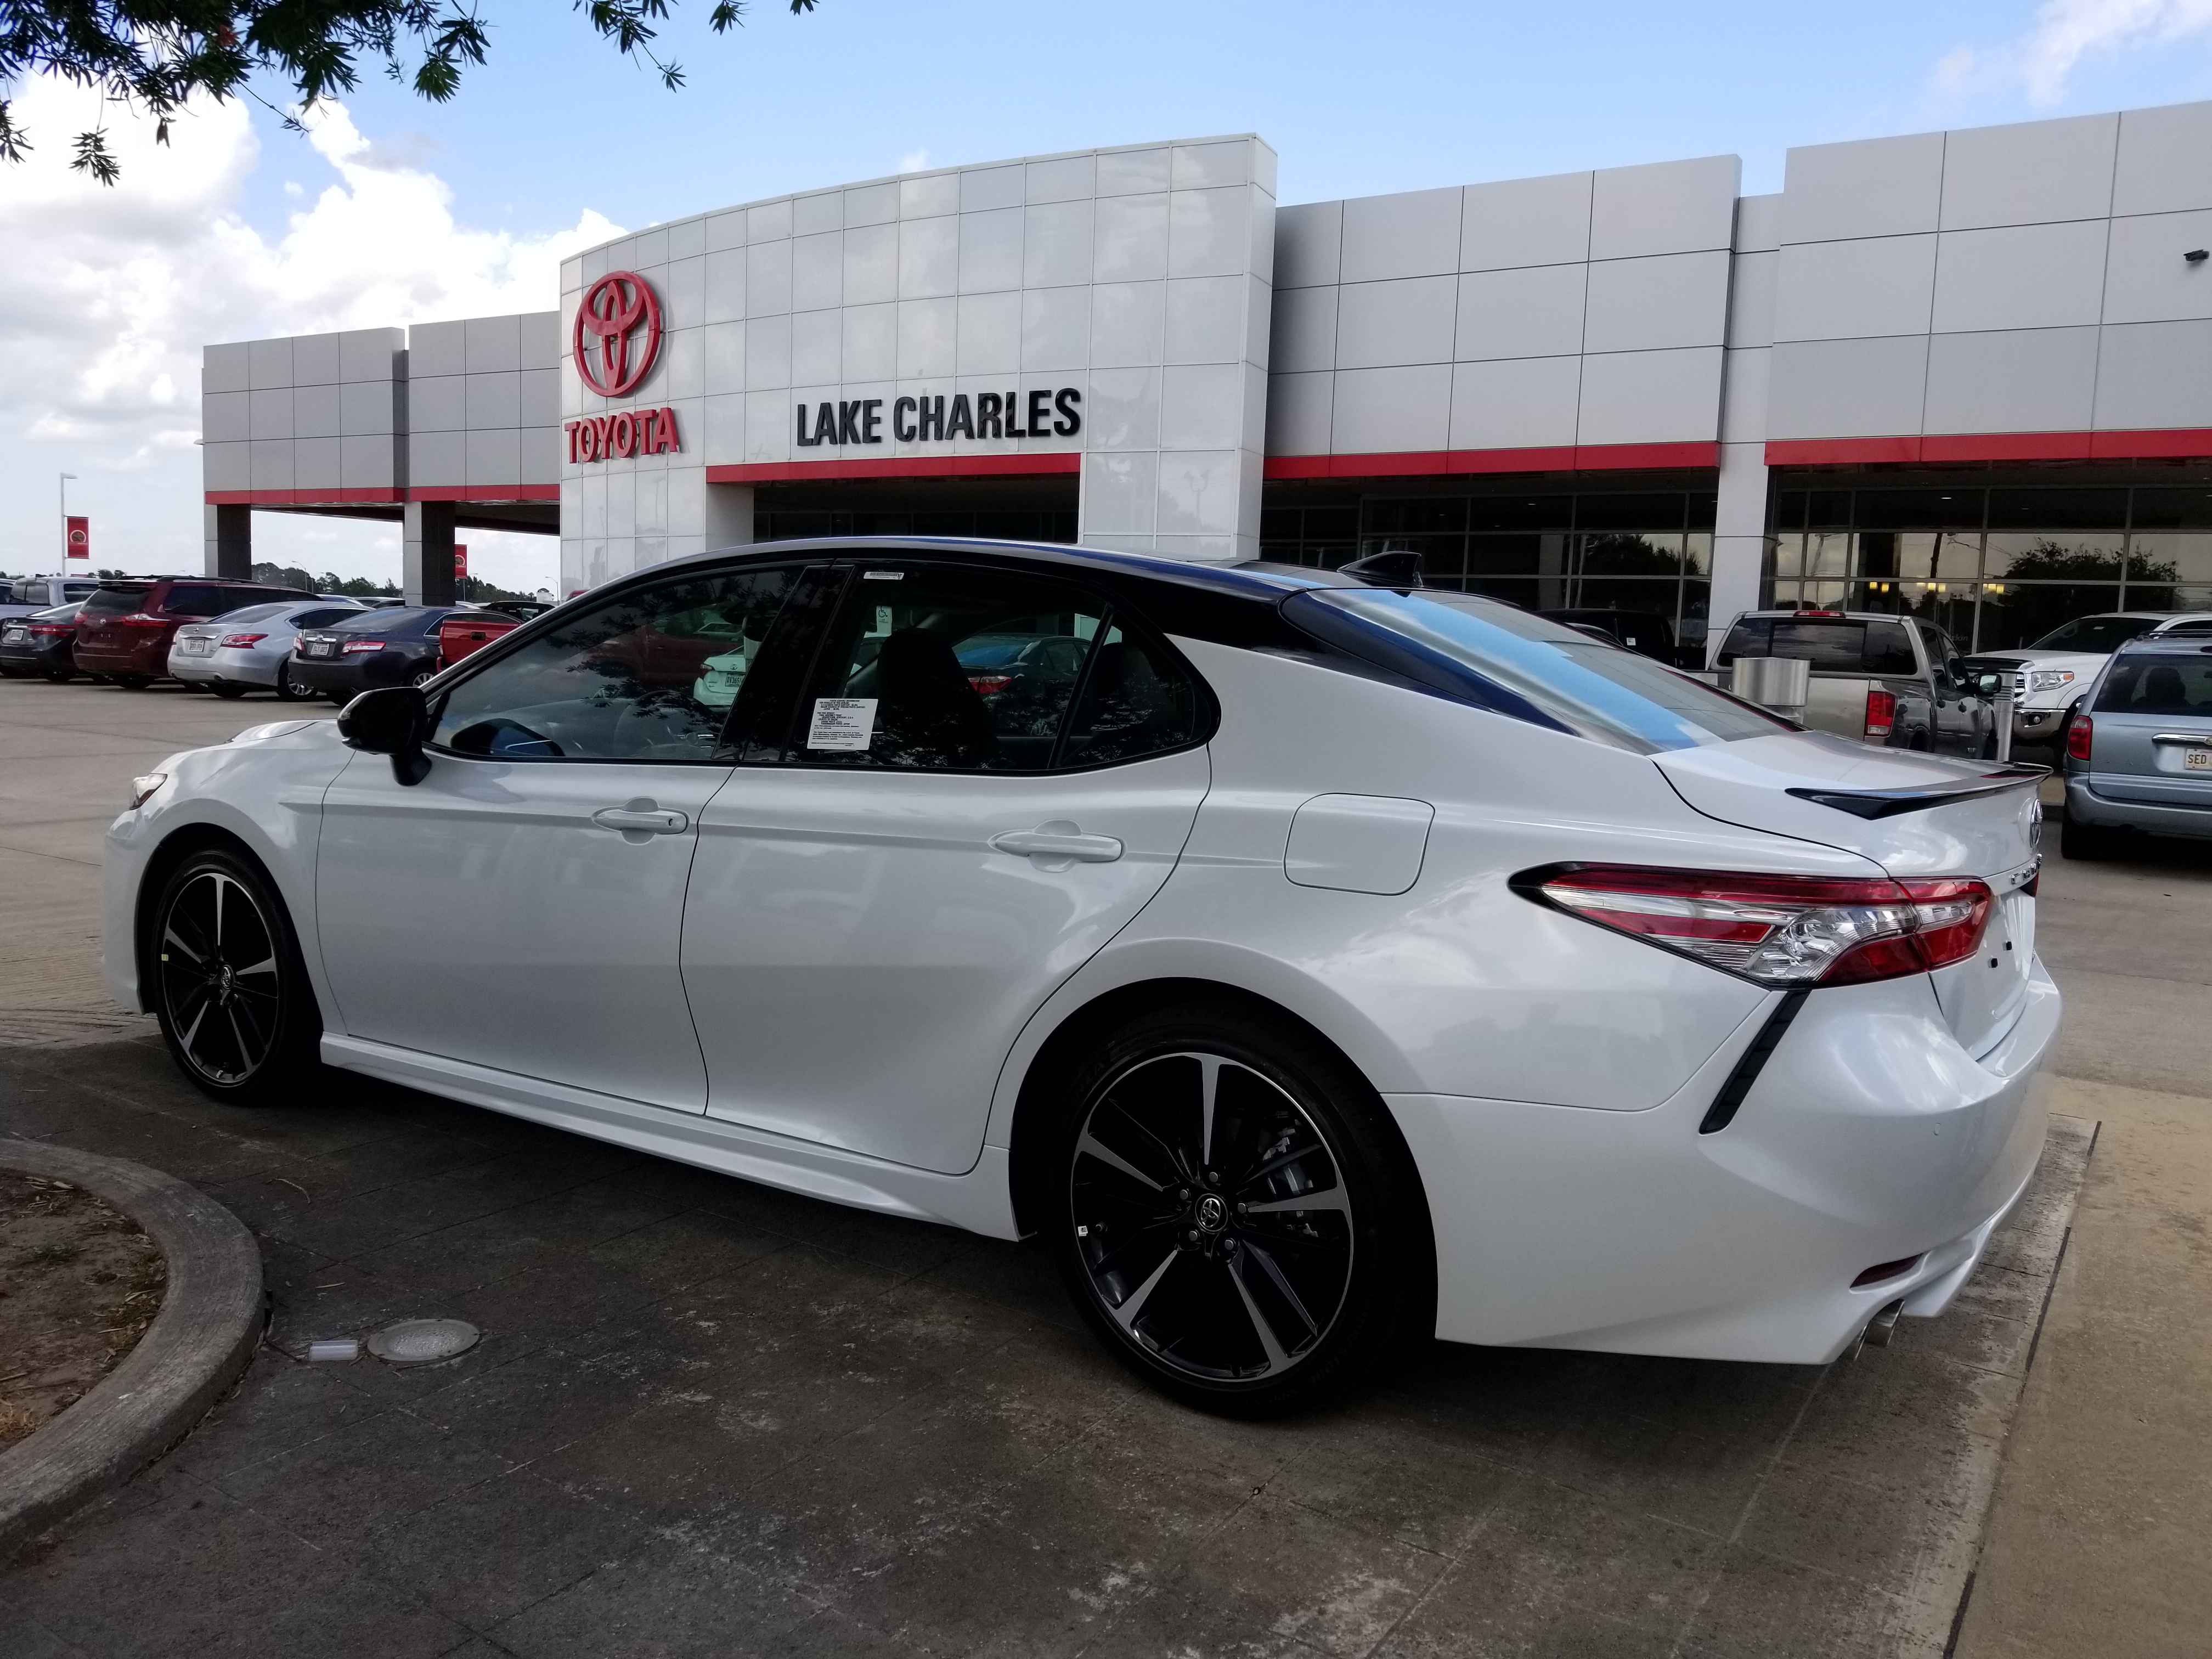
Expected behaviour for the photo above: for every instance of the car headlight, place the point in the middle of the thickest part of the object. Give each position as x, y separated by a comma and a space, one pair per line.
143, 789
2050, 679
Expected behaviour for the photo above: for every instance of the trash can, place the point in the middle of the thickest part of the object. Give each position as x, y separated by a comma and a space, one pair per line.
1781, 684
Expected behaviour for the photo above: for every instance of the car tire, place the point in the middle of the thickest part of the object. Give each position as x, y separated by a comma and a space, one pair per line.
423, 677
129, 682
288, 688
338, 699
61, 676
225, 689
2084, 843
1146, 1186
228, 984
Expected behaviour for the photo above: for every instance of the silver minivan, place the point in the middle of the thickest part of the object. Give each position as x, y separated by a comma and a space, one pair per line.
2139, 755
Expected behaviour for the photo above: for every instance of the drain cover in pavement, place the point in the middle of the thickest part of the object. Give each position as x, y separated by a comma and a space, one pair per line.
421, 1341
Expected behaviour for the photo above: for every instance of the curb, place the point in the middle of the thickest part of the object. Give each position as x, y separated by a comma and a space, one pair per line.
209, 1325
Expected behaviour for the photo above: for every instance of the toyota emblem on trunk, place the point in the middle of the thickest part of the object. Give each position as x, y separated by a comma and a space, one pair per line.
611, 310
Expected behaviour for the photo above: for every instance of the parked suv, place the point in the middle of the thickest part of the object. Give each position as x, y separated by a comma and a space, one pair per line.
21, 595
2139, 755
125, 629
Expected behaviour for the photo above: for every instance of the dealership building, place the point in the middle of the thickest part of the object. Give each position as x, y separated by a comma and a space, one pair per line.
1966, 375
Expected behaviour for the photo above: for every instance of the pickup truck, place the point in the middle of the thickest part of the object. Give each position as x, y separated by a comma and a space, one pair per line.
21, 595
1895, 681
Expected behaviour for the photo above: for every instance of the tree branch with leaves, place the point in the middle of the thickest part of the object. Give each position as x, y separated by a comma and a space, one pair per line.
156, 56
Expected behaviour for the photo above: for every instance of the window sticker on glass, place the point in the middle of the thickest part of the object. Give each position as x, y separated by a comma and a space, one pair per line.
883, 620
883, 575
842, 723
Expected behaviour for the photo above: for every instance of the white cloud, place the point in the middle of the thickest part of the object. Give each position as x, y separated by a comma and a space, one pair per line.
110, 294
914, 161
2063, 34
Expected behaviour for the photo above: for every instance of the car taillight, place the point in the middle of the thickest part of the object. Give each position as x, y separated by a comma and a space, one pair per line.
352, 646
1778, 931
985, 684
2078, 736
238, 641
1881, 712
53, 630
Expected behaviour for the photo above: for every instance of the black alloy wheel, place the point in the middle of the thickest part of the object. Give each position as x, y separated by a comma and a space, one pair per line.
229, 986
1236, 1215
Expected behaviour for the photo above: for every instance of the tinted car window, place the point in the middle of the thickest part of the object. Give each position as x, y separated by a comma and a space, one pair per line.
396, 623
196, 599
1501, 658
1136, 700
2099, 635
1838, 644
648, 676
2159, 684
322, 618
939, 668
116, 601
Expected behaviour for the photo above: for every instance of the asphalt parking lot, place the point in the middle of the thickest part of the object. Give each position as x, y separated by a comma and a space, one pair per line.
706, 1418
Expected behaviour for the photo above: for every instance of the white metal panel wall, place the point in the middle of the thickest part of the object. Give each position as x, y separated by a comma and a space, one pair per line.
484, 402
311, 412
1143, 276
2021, 278
1589, 308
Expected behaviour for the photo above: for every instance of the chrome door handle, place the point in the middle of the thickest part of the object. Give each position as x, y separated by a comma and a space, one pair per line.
636, 820
1057, 845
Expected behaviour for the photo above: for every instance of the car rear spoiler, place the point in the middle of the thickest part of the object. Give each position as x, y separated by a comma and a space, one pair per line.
1888, 803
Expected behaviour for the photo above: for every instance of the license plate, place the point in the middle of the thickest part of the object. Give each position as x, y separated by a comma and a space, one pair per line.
319, 647
199, 647
2197, 760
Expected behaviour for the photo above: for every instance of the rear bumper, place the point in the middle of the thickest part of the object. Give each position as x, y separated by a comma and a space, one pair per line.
233, 667
148, 656
362, 673
2088, 807
1871, 1136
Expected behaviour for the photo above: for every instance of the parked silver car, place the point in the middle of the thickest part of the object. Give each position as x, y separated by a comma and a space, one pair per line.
2139, 755
250, 649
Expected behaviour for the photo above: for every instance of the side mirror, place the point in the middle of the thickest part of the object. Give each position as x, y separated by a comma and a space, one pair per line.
392, 720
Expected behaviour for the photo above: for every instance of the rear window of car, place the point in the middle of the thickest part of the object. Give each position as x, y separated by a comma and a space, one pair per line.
1840, 645
2095, 635
254, 613
116, 601
206, 600
415, 621
325, 617
1500, 657
2176, 684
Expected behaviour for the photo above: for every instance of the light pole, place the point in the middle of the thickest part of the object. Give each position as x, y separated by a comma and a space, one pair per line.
62, 569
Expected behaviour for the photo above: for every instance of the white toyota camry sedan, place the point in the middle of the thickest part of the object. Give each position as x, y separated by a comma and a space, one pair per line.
1309, 960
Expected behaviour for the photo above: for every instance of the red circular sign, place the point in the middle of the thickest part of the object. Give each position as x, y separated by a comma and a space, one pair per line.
610, 312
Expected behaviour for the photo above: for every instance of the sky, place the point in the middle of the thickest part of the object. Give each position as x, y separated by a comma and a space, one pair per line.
389, 210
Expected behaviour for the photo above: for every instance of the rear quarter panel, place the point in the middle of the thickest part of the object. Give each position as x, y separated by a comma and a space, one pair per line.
1459, 984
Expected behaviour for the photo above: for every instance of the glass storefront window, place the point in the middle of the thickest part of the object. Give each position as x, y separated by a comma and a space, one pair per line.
2021, 556
2057, 510
2162, 558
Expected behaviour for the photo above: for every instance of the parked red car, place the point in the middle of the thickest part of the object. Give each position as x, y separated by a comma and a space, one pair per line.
466, 631
124, 631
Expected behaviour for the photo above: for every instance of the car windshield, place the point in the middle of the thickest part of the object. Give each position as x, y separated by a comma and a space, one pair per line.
1502, 658
2097, 635
2166, 684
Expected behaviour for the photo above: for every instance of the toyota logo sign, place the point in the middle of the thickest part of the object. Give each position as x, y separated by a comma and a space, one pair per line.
611, 363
